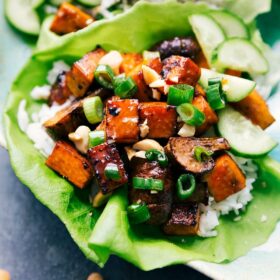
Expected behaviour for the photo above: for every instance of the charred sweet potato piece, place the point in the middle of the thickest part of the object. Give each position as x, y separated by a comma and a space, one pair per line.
102, 155
225, 179
199, 91
181, 151
161, 119
122, 120
69, 18
130, 61
232, 72
180, 70
158, 203
66, 121
184, 220
155, 64
59, 91
210, 116
255, 108
67, 162
81, 75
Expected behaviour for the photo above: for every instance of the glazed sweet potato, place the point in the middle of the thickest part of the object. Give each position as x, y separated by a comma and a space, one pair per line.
130, 61
102, 155
199, 91
210, 116
180, 70
255, 108
232, 72
67, 162
81, 74
70, 18
59, 91
66, 121
161, 119
122, 120
184, 220
155, 64
225, 179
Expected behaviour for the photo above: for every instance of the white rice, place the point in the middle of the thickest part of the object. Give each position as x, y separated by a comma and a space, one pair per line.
58, 67
41, 92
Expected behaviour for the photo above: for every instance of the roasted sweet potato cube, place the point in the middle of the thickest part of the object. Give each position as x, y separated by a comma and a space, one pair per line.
255, 108
225, 179
184, 220
66, 121
70, 18
155, 64
102, 155
67, 162
232, 72
122, 120
161, 119
210, 116
180, 70
59, 91
81, 74
198, 90
130, 61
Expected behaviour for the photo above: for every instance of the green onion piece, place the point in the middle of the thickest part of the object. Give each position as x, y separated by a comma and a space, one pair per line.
148, 55
190, 114
213, 81
185, 186
112, 172
125, 87
180, 94
138, 213
147, 183
200, 153
215, 96
160, 157
104, 75
96, 138
93, 109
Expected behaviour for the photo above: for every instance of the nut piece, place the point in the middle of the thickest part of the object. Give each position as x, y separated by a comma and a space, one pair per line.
95, 276
80, 138
4, 275
113, 59
144, 129
147, 144
187, 130
150, 75
100, 199
130, 152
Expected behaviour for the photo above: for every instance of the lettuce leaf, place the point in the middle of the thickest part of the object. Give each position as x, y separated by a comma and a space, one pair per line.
101, 234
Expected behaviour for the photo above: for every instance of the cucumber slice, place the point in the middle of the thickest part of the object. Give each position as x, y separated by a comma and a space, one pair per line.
208, 33
245, 138
89, 2
236, 88
233, 26
22, 15
240, 54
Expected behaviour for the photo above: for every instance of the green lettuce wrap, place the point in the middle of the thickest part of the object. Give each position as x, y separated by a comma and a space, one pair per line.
101, 233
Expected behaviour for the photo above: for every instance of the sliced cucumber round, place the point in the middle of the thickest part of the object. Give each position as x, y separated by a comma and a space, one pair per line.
245, 138
208, 33
233, 26
240, 54
235, 88
22, 15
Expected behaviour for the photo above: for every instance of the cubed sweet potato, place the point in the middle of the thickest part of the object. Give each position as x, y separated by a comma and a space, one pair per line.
130, 61
210, 116
198, 90
155, 64
81, 74
67, 162
255, 108
180, 70
184, 220
102, 155
59, 91
70, 18
225, 179
161, 119
232, 72
122, 120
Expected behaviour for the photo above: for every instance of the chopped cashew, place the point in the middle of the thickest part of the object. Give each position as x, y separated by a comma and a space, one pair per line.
156, 94
140, 154
130, 152
144, 129
157, 84
150, 75
187, 131
113, 59
147, 144
100, 199
80, 138
4, 275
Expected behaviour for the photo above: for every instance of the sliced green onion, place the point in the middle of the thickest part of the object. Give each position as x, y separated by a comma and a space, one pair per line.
147, 184
93, 109
190, 114
96, 138
200, 153
213, 81
160, 157
125, 87
104, 75
138, 213
215, 94
112, 172
180, 94
185, 186
148, 55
